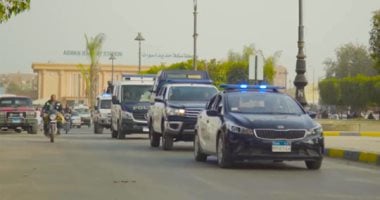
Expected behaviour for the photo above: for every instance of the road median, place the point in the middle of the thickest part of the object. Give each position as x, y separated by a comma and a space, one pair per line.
352, 133
352, 155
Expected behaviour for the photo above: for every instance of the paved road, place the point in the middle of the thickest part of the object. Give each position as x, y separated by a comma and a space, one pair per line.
84, 166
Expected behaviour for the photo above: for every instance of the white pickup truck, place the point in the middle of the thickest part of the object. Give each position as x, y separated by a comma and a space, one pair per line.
130, 104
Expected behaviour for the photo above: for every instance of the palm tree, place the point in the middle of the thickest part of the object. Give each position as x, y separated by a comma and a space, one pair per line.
94, 46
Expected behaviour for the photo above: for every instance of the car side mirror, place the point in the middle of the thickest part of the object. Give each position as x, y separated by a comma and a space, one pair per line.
115, 100
312, 114
212, 113
158, 99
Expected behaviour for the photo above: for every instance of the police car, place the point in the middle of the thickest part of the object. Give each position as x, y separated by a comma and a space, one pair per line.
257, 122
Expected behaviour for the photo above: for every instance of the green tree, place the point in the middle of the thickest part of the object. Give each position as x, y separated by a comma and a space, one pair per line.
375, 39
94, 46
329, 91
351, 60
237, 72
270, 64
9, 8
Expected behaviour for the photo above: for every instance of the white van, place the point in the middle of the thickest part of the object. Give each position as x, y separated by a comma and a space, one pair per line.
102, 113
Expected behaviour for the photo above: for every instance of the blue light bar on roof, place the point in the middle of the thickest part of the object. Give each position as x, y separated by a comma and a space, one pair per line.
244, 86
106, 95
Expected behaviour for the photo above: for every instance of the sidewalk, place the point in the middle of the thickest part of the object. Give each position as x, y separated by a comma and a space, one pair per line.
363, 149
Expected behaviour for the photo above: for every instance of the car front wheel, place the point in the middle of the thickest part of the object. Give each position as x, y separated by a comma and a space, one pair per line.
224, 159
198, 154
154, 137
313, 164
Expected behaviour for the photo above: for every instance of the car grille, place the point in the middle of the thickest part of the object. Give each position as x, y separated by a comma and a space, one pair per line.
139, 116
192, 112
279, 134
16, 114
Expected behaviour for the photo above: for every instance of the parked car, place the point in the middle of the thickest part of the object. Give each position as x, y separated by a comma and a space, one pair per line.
257, 123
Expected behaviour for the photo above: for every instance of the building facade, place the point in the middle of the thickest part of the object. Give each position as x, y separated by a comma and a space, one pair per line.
67, 81
281, 76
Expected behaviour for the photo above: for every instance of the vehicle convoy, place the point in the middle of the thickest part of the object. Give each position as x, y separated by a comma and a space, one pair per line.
84, 113
102, 113
173, 114
130, 103
257, 123
17, 113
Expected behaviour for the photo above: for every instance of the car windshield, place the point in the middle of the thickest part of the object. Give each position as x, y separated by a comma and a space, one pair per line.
105, 104
191, 93
136, 93
262, 103
7, 102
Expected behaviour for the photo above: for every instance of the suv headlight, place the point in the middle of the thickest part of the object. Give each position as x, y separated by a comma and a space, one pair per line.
315, 131
175, 111
126, 115
31, 114
238, 129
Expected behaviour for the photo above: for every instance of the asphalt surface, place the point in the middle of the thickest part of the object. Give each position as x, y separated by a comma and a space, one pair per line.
83, 166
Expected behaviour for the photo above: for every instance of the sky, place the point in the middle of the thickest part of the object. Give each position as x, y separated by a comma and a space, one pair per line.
52, 27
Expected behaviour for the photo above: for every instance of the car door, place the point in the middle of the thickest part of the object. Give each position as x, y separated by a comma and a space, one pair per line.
203, 133
157, 110
214, 124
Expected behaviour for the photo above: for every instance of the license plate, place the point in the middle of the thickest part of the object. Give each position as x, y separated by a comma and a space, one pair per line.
16, 121
145, 129
281, 146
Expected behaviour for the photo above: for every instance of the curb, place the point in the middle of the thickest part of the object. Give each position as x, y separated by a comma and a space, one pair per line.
352, 133
359, 156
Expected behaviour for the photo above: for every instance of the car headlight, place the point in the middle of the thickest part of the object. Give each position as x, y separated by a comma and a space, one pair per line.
52, 116
238, 129
104, 115
31, 114
315, 131
126, 115
175, 111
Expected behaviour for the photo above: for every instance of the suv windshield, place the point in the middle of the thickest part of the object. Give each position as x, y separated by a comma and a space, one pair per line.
191, 93
135, 93
105, 104
262, 103
6, 102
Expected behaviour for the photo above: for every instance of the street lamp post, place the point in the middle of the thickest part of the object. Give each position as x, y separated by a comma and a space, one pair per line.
112, 58
195, 35
300, 81
139, 38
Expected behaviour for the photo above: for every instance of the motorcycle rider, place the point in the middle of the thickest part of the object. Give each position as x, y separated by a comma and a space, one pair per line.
52, 103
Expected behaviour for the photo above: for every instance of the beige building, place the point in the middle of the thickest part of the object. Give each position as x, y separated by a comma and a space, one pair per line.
281, 76
67, 82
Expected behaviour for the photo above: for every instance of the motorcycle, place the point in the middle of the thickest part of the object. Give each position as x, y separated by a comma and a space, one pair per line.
52, 118
67, 126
